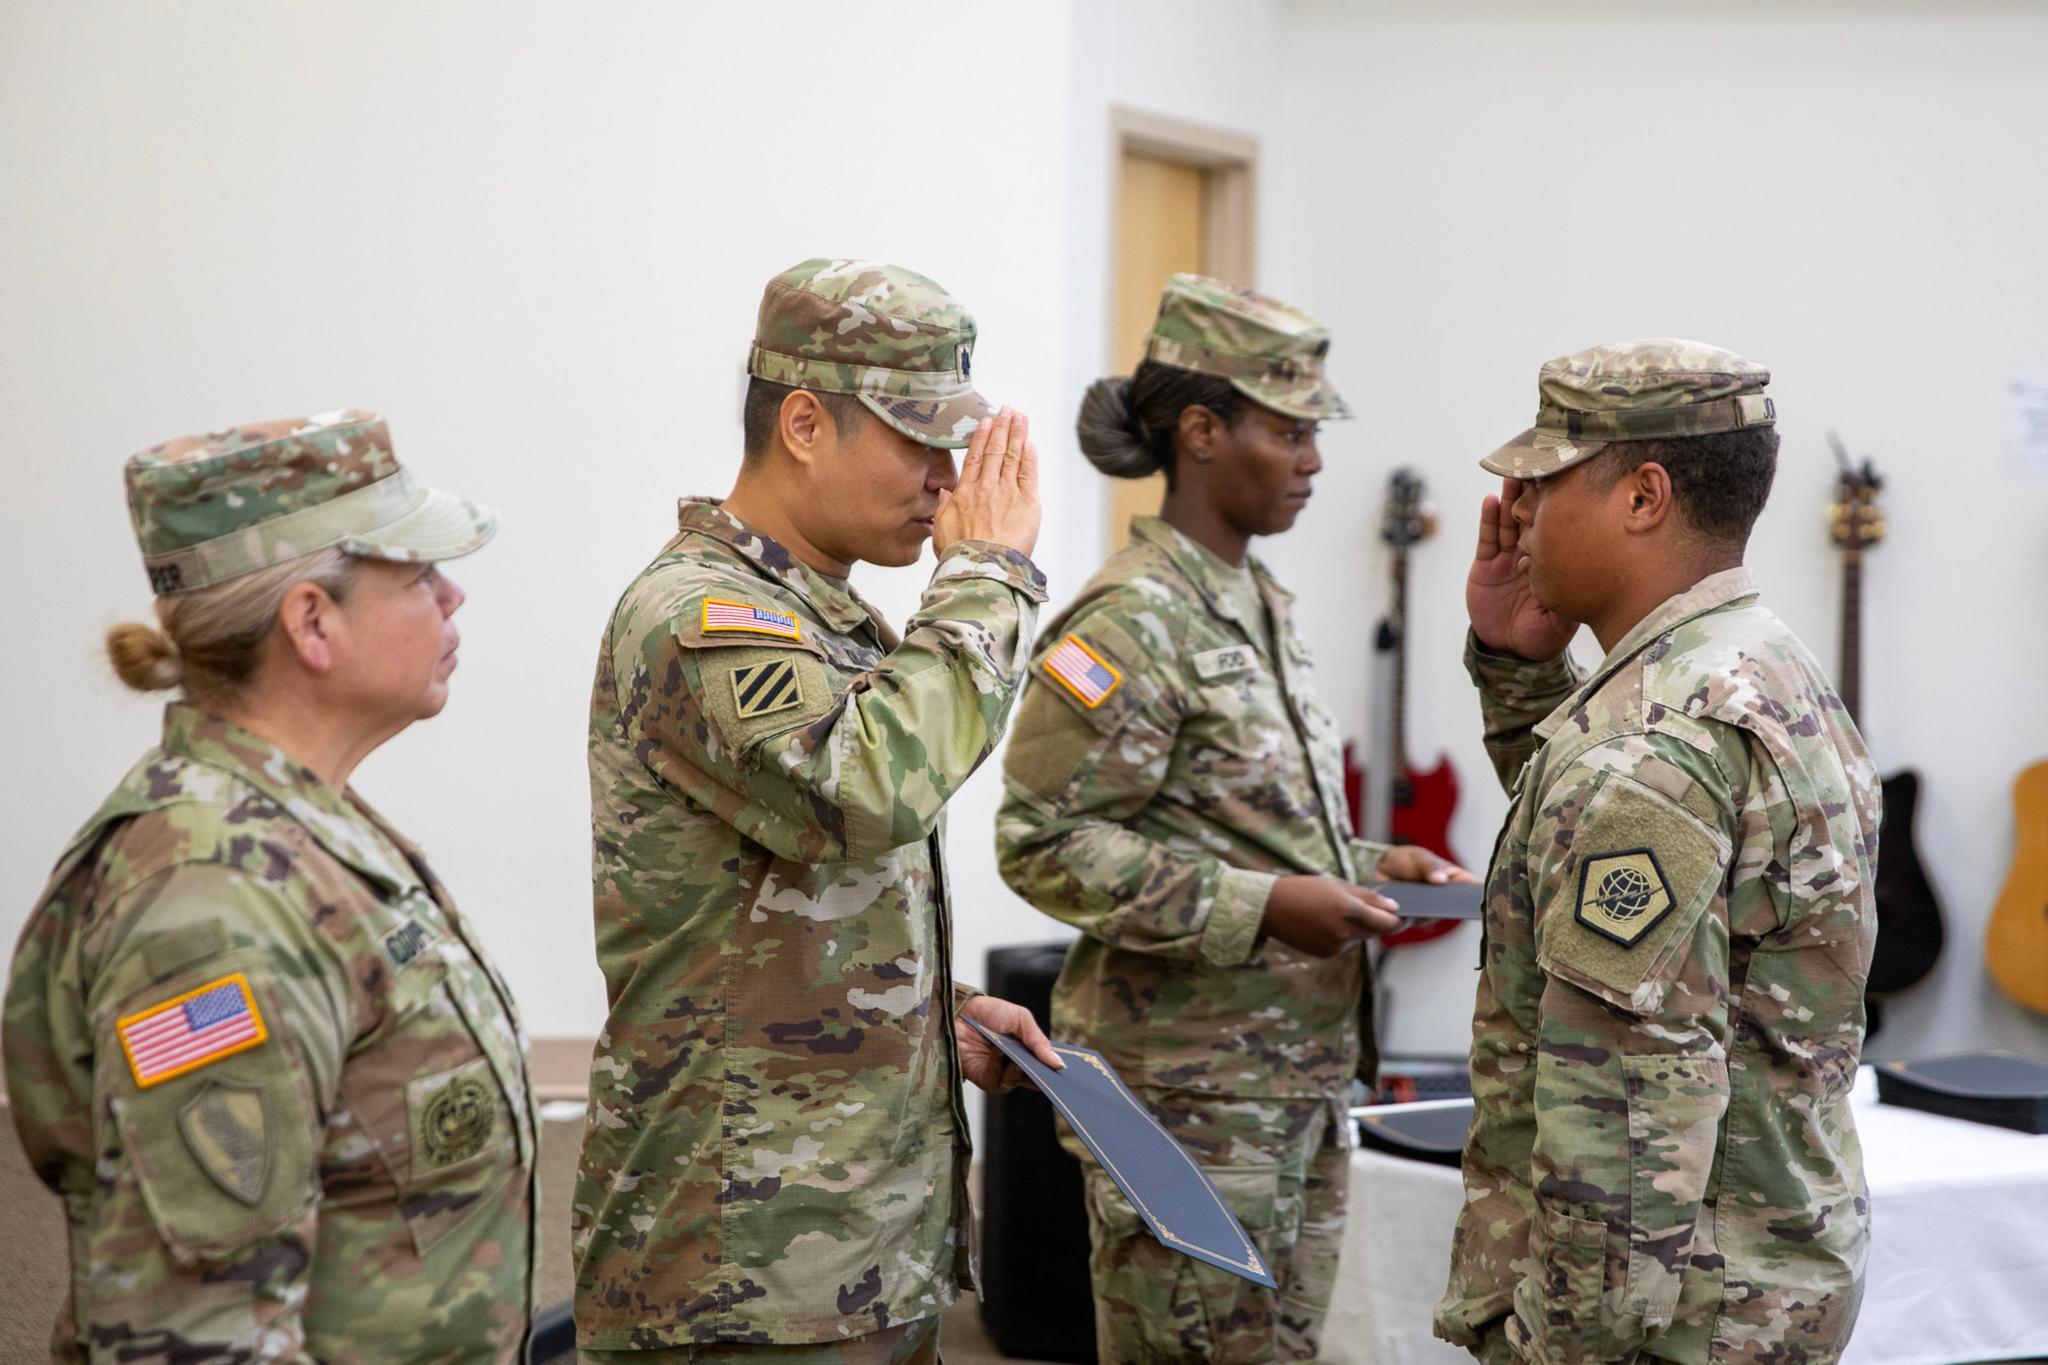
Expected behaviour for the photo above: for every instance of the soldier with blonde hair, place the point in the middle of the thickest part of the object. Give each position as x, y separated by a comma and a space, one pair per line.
249, 1041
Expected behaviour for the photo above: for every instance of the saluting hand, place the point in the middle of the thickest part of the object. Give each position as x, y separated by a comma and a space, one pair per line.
981, 1061
1505, 614
997, 497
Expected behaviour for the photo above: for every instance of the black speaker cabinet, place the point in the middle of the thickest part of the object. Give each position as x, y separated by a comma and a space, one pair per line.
1035, 1300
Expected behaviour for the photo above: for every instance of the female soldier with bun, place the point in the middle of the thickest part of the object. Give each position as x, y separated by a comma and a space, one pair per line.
1175, 792
249, 1040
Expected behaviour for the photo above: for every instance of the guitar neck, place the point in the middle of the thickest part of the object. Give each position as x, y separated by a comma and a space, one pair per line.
1850, 683
1400, 754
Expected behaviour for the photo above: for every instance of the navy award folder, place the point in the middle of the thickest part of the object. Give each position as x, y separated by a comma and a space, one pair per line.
1433, 900
1163, 1183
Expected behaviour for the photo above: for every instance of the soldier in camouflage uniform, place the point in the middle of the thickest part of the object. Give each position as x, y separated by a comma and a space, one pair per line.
1175, 792
1663, 1164
249, 1040
775, 1160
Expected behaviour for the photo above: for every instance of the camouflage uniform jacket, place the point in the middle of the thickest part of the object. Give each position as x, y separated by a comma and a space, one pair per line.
355, 1185
776, 1148
1679, 920
1157, 818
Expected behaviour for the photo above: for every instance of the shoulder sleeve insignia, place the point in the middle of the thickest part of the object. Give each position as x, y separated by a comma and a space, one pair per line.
193, 1030
762, 689
1623, 895
745, 618
1083, 672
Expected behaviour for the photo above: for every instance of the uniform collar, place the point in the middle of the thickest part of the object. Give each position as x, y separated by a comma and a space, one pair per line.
833, 599
343, 824
1712, 593
1203, 569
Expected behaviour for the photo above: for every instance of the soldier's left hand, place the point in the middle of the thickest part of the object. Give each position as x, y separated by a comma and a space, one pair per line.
1414, 863
981, 1061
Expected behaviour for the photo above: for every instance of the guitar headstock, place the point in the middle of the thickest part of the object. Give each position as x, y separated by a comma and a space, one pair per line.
1407, 521
1854, 520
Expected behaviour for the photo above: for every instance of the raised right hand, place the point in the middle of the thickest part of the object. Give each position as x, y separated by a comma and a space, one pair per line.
997, 497
1322, 916
1505, 614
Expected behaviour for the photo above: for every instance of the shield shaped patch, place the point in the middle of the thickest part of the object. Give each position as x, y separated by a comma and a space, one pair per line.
226, 1127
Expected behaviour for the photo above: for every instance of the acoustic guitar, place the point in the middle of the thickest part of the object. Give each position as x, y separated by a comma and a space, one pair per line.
1909, 926
2016, 942
1423, 801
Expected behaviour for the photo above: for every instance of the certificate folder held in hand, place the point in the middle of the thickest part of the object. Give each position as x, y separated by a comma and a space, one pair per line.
1163, 1183
1434, 900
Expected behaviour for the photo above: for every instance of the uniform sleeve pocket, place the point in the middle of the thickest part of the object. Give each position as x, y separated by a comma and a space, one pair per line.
1560, 1306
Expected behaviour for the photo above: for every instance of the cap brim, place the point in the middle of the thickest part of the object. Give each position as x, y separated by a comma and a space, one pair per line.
443, 526
1317, 402
942, 422
1537, 454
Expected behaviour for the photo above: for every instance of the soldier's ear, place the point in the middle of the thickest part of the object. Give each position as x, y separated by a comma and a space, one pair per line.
1648, 489
806, 429
1198, 429
307, 618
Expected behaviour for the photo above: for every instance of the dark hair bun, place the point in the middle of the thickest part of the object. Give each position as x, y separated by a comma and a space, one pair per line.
1112, 437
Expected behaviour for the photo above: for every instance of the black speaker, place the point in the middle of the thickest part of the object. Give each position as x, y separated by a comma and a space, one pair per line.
1035, 1298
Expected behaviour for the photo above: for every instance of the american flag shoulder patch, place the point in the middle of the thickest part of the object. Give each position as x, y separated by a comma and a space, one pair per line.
745, 616
192, 1030
1083, 672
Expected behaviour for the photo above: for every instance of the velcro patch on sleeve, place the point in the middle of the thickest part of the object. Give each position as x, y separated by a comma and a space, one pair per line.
762, 689
196, 1029
721, 616
1082, 671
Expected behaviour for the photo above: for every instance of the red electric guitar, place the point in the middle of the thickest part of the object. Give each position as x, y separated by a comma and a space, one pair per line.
1422, 801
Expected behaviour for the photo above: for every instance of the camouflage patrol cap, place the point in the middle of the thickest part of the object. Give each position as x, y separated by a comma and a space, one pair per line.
215, 506
1634, 391
887, 335
1271, 353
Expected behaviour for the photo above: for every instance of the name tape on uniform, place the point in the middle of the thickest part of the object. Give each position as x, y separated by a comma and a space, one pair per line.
745, 617
1082, 671
192, 1030
1227, 662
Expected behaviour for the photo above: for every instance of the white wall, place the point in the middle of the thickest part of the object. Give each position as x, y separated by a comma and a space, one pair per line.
534, 235
1851, 195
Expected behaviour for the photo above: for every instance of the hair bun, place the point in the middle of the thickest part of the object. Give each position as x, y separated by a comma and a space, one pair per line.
1111, 436
144, 657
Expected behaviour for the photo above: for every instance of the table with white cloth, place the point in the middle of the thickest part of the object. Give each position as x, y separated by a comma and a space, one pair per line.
1958, 1257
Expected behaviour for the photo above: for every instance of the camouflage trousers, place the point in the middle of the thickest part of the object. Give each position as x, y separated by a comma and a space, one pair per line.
1283, 1168
911, 1343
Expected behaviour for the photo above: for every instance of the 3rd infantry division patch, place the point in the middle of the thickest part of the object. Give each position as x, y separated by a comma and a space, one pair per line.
1622, 895
763, 689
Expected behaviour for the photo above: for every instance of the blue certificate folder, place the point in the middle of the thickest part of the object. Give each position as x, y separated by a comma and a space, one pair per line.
1156, 1174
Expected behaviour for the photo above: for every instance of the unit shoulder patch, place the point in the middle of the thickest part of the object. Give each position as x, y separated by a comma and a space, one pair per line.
189, 1031
226, 1127
1082, 671
719, 615
1623, 895
762, 689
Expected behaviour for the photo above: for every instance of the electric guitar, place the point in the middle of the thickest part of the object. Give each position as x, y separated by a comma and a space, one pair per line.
2016, 942
1423, 801
1909, 929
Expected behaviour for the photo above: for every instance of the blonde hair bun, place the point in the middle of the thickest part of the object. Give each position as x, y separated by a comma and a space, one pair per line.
144, 657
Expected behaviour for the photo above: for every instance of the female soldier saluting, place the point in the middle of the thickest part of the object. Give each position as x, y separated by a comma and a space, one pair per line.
248, 1038
1174, 791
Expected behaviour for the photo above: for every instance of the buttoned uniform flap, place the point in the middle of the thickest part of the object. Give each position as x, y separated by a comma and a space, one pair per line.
202, 1079
752, 690
1614, 919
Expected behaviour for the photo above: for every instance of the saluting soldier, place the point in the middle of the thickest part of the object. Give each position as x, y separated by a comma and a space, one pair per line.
249, 1040
1679, 915
775, 1161
1174, 790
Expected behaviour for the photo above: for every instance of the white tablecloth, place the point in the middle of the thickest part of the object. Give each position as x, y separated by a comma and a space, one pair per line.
1958, 1258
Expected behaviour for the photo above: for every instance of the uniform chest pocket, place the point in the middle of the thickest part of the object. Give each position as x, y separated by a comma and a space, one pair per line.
425, 1094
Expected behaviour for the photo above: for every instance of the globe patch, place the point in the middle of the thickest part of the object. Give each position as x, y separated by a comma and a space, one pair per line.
1623, 895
